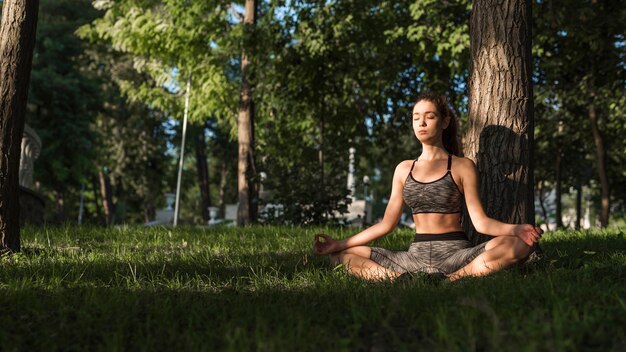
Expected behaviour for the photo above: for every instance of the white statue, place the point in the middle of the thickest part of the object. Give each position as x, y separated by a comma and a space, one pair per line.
31, 147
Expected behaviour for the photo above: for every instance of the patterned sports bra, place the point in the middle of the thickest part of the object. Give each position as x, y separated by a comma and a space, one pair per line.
440, 196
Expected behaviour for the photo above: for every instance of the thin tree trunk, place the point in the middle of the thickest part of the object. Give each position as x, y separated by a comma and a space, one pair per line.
601, 160
107, 197
17, 41
96, 197
559, 186
149, 213
203, 174
579, 202
321, 151
223, 179
544, 212
245, 127
500, 129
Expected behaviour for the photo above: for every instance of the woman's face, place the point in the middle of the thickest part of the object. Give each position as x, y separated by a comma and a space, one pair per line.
428, 124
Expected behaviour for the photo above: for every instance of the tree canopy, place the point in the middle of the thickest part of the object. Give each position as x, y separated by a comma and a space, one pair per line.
326, 76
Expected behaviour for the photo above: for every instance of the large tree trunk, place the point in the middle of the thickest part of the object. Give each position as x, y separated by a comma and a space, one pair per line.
107, 197
203, 174
601, 160
500, 129
17, 41
245, 128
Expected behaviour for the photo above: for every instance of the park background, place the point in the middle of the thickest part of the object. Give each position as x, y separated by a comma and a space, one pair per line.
107, 99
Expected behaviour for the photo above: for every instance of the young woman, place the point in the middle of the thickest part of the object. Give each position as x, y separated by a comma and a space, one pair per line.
434, 187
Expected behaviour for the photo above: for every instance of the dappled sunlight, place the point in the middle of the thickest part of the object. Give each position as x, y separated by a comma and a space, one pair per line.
224, 288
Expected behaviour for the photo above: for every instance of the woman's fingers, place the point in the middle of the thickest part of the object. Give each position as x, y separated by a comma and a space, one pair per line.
322, 235
320, 246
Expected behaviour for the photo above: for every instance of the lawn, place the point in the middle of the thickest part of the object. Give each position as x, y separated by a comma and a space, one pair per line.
261, 288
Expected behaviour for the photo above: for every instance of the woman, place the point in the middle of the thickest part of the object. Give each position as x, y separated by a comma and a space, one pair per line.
434, 186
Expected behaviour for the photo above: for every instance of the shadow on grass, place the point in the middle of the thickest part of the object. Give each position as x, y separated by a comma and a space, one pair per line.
83, 299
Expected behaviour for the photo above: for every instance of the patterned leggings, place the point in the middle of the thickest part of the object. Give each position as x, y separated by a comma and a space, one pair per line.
441, 253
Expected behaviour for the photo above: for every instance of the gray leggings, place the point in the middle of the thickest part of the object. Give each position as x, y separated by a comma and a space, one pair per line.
442, 253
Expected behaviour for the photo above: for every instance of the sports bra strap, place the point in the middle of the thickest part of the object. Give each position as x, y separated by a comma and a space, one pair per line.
449, 161
412, 166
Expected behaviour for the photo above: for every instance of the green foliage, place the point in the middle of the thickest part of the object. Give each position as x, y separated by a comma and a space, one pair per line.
326, 77
260, 288
62, 99
342, 74
579, 62
170, 41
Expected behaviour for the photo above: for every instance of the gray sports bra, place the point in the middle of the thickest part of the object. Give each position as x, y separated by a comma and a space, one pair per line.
440, 196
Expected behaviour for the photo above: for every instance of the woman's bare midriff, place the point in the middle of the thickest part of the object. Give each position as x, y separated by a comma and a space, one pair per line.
434, 223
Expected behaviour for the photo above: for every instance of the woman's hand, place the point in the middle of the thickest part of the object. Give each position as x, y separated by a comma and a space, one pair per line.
327, 246
528, 233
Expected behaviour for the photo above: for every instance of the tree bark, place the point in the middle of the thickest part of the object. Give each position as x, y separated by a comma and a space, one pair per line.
203, 174
222, 202
17, 41
245, 128
544, 212
559, 193
96, 201
601, 162
579, 203
499, 138
107, 197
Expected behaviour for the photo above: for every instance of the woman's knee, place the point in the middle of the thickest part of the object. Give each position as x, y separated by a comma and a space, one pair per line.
344, 257
513, 248
518, 250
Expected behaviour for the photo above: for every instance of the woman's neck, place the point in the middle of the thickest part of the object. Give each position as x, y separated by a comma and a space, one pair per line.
432, 152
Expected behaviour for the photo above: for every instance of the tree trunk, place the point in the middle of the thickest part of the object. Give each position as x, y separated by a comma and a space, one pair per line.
17, 41
203, 174
579, 202
544, 212
500, 122
107, 197
559, 193
96, 201
149, 213
245, 128
223, 178
601, 160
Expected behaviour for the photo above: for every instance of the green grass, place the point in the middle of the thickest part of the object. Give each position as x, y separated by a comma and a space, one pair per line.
260, 288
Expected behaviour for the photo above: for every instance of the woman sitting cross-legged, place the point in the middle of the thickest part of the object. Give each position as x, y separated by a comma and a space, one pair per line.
434, 186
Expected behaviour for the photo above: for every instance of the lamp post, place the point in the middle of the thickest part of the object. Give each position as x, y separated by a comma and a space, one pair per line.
182, 153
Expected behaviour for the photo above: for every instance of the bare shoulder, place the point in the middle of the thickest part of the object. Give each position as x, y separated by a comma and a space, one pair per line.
463, 167
463, 162
404, 165
403, 168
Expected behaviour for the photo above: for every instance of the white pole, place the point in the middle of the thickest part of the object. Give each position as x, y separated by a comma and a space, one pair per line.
351, 183
182, 153
81, 208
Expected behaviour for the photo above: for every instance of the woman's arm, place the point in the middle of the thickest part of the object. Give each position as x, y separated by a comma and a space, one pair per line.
389, 222
484, 224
